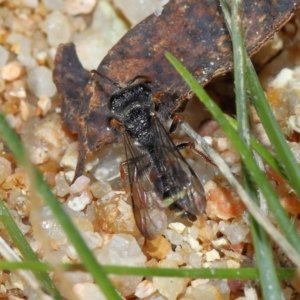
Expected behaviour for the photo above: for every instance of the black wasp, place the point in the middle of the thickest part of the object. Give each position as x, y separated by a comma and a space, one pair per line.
163, 185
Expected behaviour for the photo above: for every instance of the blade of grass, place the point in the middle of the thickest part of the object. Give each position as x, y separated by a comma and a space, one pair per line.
219, 273
268, 280
15, 145
246, 156
277, 139
25, 249
262, 151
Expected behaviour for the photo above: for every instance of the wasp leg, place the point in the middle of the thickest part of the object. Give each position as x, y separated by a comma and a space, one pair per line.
191, 145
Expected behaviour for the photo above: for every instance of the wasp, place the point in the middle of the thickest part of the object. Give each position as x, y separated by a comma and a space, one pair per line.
163, 185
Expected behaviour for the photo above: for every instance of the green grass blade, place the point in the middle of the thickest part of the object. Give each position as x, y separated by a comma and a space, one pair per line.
25, 249
220, 273
15, 145
277, 139
268, 280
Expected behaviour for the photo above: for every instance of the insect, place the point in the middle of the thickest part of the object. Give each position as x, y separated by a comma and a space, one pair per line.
163, 185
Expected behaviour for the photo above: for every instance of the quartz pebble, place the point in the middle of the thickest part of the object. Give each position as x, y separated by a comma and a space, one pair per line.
79, 202
75, 7
5, 169
40, 82
88, 290
61, 186
57, 28
80, 184
145, 289
4, 54
170, 287
236, 232
212, 255
30, 3
123, 249
136, 10
44, 103
11, 71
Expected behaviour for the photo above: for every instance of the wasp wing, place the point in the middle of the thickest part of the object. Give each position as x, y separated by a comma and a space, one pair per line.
159, 180
148, 208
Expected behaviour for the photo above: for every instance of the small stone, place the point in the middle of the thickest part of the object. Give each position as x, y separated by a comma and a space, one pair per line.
236, 232
61, 186
177, 226
79, 202
100, 188
145, 289
55, 4
158, 247
170, 287
174, 237
195, 259
5, 169
4, 54
57, 28
11, 71
124, 250
282, 78
30, 3
223, 203
76, 7
212, 255
24, 109
44, 103
88, 290
80, 184
40, 82
69, 159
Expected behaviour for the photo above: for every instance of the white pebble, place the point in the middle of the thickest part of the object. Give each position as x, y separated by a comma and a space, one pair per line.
54, 4
11, 71
195, 259
57, 28
236, 232
123, 249
40, 82
44, 103
212, 255
61, 186
24, 109
88, 290
30, 3
92, 239
194, 244
80, 184
78, 203
136, 10
174, 237
4, 54
145, 289
220, 243
170, 287
177, 226
76, 7
23, 45
69, 159
5, 169
222, 144
282, 78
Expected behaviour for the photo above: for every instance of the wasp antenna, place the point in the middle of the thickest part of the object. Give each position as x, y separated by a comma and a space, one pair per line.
147, 79
104, 76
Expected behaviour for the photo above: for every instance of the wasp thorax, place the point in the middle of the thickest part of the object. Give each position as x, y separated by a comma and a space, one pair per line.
123, 100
